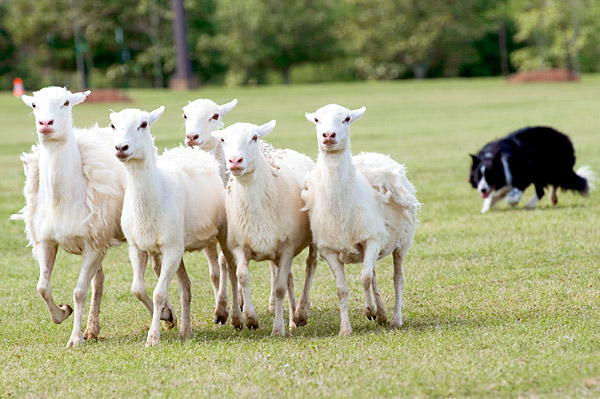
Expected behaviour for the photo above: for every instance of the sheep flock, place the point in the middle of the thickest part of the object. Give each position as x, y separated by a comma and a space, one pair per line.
228, 193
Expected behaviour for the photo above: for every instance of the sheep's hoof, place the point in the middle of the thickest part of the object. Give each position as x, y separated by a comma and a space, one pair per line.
345, 332
381, 320
252, 325
220, 319
66, 312
370, 317
153, 339
396, 323
170, 320
74, 341
185, 332
300, 321
91, 333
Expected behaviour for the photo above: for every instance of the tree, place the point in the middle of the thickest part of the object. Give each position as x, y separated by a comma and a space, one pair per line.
278, 34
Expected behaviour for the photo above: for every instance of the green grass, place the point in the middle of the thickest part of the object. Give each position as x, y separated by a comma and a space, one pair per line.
505, 304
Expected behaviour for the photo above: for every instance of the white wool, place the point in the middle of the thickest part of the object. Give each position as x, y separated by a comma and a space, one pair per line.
74, 194
361, 209
173, 203
264, 208
202, 117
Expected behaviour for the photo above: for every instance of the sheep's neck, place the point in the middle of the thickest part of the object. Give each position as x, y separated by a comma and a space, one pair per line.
61, 170
252, 190
144, 182
337, 182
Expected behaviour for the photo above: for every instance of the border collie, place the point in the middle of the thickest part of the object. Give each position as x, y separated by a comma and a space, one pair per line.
537, 155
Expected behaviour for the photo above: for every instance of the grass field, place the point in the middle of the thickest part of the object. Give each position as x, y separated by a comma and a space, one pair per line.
505, 304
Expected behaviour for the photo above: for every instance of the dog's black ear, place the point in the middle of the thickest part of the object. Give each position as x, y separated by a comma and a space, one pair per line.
474, 158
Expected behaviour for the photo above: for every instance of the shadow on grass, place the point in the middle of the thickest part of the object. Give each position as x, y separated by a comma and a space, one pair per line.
322, 323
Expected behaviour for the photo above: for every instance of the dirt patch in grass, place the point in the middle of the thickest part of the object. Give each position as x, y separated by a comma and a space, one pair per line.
550, 75
109, 96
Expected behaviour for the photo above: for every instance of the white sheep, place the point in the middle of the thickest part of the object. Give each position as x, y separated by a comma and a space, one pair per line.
202, 117
361, 209
173, 203
264, 216
74, 195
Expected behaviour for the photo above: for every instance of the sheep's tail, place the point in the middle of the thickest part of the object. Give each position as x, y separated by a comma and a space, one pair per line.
18, 216
587, 178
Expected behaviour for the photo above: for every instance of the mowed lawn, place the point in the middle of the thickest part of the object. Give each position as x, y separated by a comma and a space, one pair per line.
505, 304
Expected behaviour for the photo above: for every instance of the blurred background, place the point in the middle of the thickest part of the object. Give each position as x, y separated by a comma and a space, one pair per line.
130, 43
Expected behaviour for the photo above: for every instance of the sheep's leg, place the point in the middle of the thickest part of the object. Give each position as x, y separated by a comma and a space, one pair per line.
185, 295
212, 258
168, 312
337, 268
46, 255
291, 298
139, 261
398, 287
273, 268
303, 307
171, 261
243, 275
284, 265
236, 313
221, 313
90, 265
381, 316
93, 325
371, 252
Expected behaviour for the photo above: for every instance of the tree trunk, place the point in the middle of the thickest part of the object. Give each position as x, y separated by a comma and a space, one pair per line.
285, 75
183, 78
502, 48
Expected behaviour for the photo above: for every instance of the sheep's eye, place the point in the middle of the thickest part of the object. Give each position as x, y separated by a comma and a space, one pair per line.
184, 116
67, 103
32, 105
347, 119
222, 140
112, 126
255, 138
215, 117
144, 125
316, 120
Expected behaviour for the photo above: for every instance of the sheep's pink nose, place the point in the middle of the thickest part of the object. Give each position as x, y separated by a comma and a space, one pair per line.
192, 137
122, 147
329, 138
47, 123
235, 161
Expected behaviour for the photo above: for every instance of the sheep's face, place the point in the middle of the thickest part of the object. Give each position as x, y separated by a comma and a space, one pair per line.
201, 118
52, 109
333, 126
132, 132
240, 145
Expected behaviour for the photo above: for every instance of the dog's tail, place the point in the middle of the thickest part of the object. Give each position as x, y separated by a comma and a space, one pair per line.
582, 180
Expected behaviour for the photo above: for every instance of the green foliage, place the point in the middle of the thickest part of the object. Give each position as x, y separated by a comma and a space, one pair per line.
249, 42
501, 305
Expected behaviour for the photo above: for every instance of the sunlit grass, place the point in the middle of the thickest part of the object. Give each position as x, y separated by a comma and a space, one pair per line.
505, 304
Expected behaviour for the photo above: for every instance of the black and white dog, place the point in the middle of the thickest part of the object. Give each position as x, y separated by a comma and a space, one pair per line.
538, 155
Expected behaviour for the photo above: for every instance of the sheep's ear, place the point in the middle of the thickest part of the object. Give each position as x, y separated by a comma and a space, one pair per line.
357, 113
474, 158
218, 134
78, 98
226, 108
265, 129
310, 116
155, 115
28, 100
